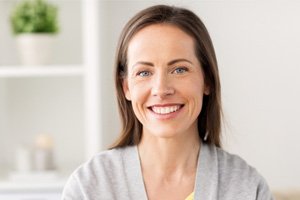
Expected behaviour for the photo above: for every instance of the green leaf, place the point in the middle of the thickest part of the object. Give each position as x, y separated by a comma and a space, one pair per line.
34, 16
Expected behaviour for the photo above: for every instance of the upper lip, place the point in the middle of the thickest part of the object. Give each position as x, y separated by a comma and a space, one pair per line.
165, 105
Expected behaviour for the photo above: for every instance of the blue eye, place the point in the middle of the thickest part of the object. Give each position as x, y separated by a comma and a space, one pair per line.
180, 70
144, 73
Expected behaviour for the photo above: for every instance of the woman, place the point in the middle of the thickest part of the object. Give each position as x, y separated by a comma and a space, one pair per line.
169, 98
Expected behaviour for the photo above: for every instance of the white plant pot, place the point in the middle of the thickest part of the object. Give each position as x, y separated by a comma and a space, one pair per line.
35, 49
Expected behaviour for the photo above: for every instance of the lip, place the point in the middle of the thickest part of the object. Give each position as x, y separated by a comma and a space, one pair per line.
165, 116
165, 105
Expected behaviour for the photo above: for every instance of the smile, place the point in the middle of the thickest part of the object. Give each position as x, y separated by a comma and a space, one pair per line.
165, 109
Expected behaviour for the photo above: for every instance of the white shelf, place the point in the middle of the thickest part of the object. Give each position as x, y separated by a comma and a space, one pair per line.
41, 71
34, 181
7, 186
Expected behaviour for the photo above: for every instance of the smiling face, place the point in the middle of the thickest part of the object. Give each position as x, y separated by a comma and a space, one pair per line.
164, 81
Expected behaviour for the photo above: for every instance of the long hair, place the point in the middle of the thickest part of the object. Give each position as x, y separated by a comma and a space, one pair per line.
209, 120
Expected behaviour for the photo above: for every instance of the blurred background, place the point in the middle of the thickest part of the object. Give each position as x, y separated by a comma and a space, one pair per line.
56, 114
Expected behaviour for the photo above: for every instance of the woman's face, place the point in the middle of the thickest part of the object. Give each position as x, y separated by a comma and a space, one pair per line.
165, 82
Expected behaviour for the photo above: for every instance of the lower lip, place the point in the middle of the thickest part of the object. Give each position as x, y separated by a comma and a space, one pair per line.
166, 116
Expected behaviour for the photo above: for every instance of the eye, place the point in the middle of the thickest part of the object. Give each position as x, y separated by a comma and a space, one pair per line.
144, 73
180, 70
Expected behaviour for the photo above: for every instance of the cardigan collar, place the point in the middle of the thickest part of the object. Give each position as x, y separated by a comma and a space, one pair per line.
207, 174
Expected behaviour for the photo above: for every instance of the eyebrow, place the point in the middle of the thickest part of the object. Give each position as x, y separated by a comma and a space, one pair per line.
169, 63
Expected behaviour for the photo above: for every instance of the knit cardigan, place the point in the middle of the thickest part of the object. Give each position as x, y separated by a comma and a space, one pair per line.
116, 175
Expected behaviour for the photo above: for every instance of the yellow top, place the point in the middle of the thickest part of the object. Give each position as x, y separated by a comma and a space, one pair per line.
190, 197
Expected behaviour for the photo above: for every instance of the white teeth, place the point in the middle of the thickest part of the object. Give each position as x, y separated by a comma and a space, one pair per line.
165, 110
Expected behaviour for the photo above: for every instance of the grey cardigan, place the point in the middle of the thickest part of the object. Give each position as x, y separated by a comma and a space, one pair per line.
116, 175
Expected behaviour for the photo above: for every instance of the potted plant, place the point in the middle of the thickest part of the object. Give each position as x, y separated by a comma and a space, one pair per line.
34, 22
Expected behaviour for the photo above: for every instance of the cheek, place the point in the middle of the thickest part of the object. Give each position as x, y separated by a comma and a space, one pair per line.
139, 101
194, 88
138, 93
194, 91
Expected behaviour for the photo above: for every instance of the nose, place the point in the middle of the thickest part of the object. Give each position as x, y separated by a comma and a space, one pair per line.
162, 86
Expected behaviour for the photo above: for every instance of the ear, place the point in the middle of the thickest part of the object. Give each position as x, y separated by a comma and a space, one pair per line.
206, 90
126, 89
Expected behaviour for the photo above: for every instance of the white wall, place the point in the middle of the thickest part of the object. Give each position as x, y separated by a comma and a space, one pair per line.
257, 45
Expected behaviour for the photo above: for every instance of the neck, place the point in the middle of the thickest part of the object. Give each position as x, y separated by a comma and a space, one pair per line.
169, 156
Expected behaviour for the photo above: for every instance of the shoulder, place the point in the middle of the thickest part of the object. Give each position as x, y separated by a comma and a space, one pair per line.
104, 158
103, 163
234, 164
102, 173
234, 168
235, 173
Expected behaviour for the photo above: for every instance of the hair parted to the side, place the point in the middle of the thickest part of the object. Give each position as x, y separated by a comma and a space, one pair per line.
209, 120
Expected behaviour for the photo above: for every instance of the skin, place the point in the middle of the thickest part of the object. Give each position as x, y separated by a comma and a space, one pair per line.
164, 74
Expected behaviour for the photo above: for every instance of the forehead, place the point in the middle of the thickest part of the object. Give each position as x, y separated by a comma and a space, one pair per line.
160, 39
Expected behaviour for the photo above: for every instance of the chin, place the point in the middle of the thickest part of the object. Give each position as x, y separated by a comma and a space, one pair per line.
164, 133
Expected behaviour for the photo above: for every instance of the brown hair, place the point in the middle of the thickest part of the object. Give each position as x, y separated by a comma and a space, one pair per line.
209, 120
